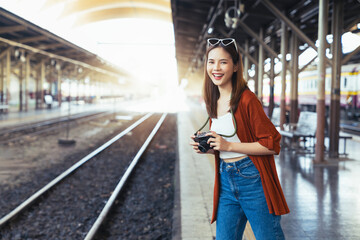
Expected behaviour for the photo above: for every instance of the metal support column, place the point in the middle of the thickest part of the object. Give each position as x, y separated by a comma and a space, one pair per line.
42, 80
294, 79
8, 71
337, 29
284, 50
59, 85
261, 66
37, 87
50, 79
21, 86
78, 82
272, 78
2, 81
256, 85
246, 61
27, 78
320, 106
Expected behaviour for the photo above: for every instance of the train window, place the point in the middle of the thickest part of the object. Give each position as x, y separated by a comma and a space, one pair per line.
327, 83
345, 82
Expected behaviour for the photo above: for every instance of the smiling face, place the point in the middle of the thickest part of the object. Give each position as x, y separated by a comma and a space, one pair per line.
220, 67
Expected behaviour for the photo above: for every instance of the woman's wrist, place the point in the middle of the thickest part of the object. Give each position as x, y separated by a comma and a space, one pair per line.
230, 147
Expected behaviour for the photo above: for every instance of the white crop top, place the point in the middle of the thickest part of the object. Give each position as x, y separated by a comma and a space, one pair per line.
224, 125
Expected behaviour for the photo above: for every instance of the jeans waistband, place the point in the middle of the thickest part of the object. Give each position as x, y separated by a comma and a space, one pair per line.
236, 160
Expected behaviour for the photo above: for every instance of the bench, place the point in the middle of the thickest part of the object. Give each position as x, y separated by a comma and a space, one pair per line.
344, 138
304, 131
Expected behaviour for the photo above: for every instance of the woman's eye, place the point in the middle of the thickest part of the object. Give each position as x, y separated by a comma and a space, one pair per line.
223, 62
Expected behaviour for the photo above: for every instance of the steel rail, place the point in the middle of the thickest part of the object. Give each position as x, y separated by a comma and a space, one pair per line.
54, 120
91, 234
56, 123
59, 178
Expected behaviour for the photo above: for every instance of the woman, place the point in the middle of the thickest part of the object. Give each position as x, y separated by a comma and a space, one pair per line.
246, 181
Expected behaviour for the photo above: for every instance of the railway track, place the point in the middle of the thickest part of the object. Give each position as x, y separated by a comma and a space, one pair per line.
16, 133
54, 190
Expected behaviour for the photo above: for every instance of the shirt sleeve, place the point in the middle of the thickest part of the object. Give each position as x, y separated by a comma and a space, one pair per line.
261, 126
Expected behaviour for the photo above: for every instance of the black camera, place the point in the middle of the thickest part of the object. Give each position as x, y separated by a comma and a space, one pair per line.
202, 140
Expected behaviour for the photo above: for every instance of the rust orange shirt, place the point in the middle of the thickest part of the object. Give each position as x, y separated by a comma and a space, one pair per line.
254, 126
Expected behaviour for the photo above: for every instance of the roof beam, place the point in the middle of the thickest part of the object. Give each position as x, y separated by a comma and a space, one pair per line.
186, 37
348, 56
260, 41
51, 55
12, 29
50, 46
248, 55
33, 39
65, 52
256, 14
38, 30
290, 24
192, 11
187, 34
351, 24
188, 20
4, 52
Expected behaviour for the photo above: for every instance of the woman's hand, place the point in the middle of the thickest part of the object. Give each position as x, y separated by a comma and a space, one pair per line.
218, 142
195, 146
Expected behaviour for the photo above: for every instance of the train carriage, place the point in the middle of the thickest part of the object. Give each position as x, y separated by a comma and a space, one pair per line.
307, 89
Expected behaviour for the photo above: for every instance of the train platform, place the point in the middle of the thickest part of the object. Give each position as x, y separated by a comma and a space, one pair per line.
31, 116
323, 198
25, 117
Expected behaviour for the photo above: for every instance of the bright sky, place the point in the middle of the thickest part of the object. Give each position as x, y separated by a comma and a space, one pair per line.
143, 47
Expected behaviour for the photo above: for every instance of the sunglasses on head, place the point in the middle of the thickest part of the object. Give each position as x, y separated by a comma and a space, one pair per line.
211, 42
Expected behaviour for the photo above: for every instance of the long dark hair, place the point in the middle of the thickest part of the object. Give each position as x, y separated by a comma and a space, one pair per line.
211, 92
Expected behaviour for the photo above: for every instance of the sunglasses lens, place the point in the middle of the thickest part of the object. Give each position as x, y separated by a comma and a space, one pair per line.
227, 41
213, 41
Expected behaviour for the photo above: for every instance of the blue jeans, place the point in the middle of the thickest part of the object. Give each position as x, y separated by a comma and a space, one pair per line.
242, 198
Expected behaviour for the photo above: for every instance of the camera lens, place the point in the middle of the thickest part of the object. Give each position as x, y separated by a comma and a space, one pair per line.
202, 149
204, 146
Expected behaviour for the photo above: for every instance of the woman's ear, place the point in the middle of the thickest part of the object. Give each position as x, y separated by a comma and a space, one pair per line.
236, 67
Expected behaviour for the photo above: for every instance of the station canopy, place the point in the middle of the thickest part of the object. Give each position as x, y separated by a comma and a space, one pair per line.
195, 21
19, 28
